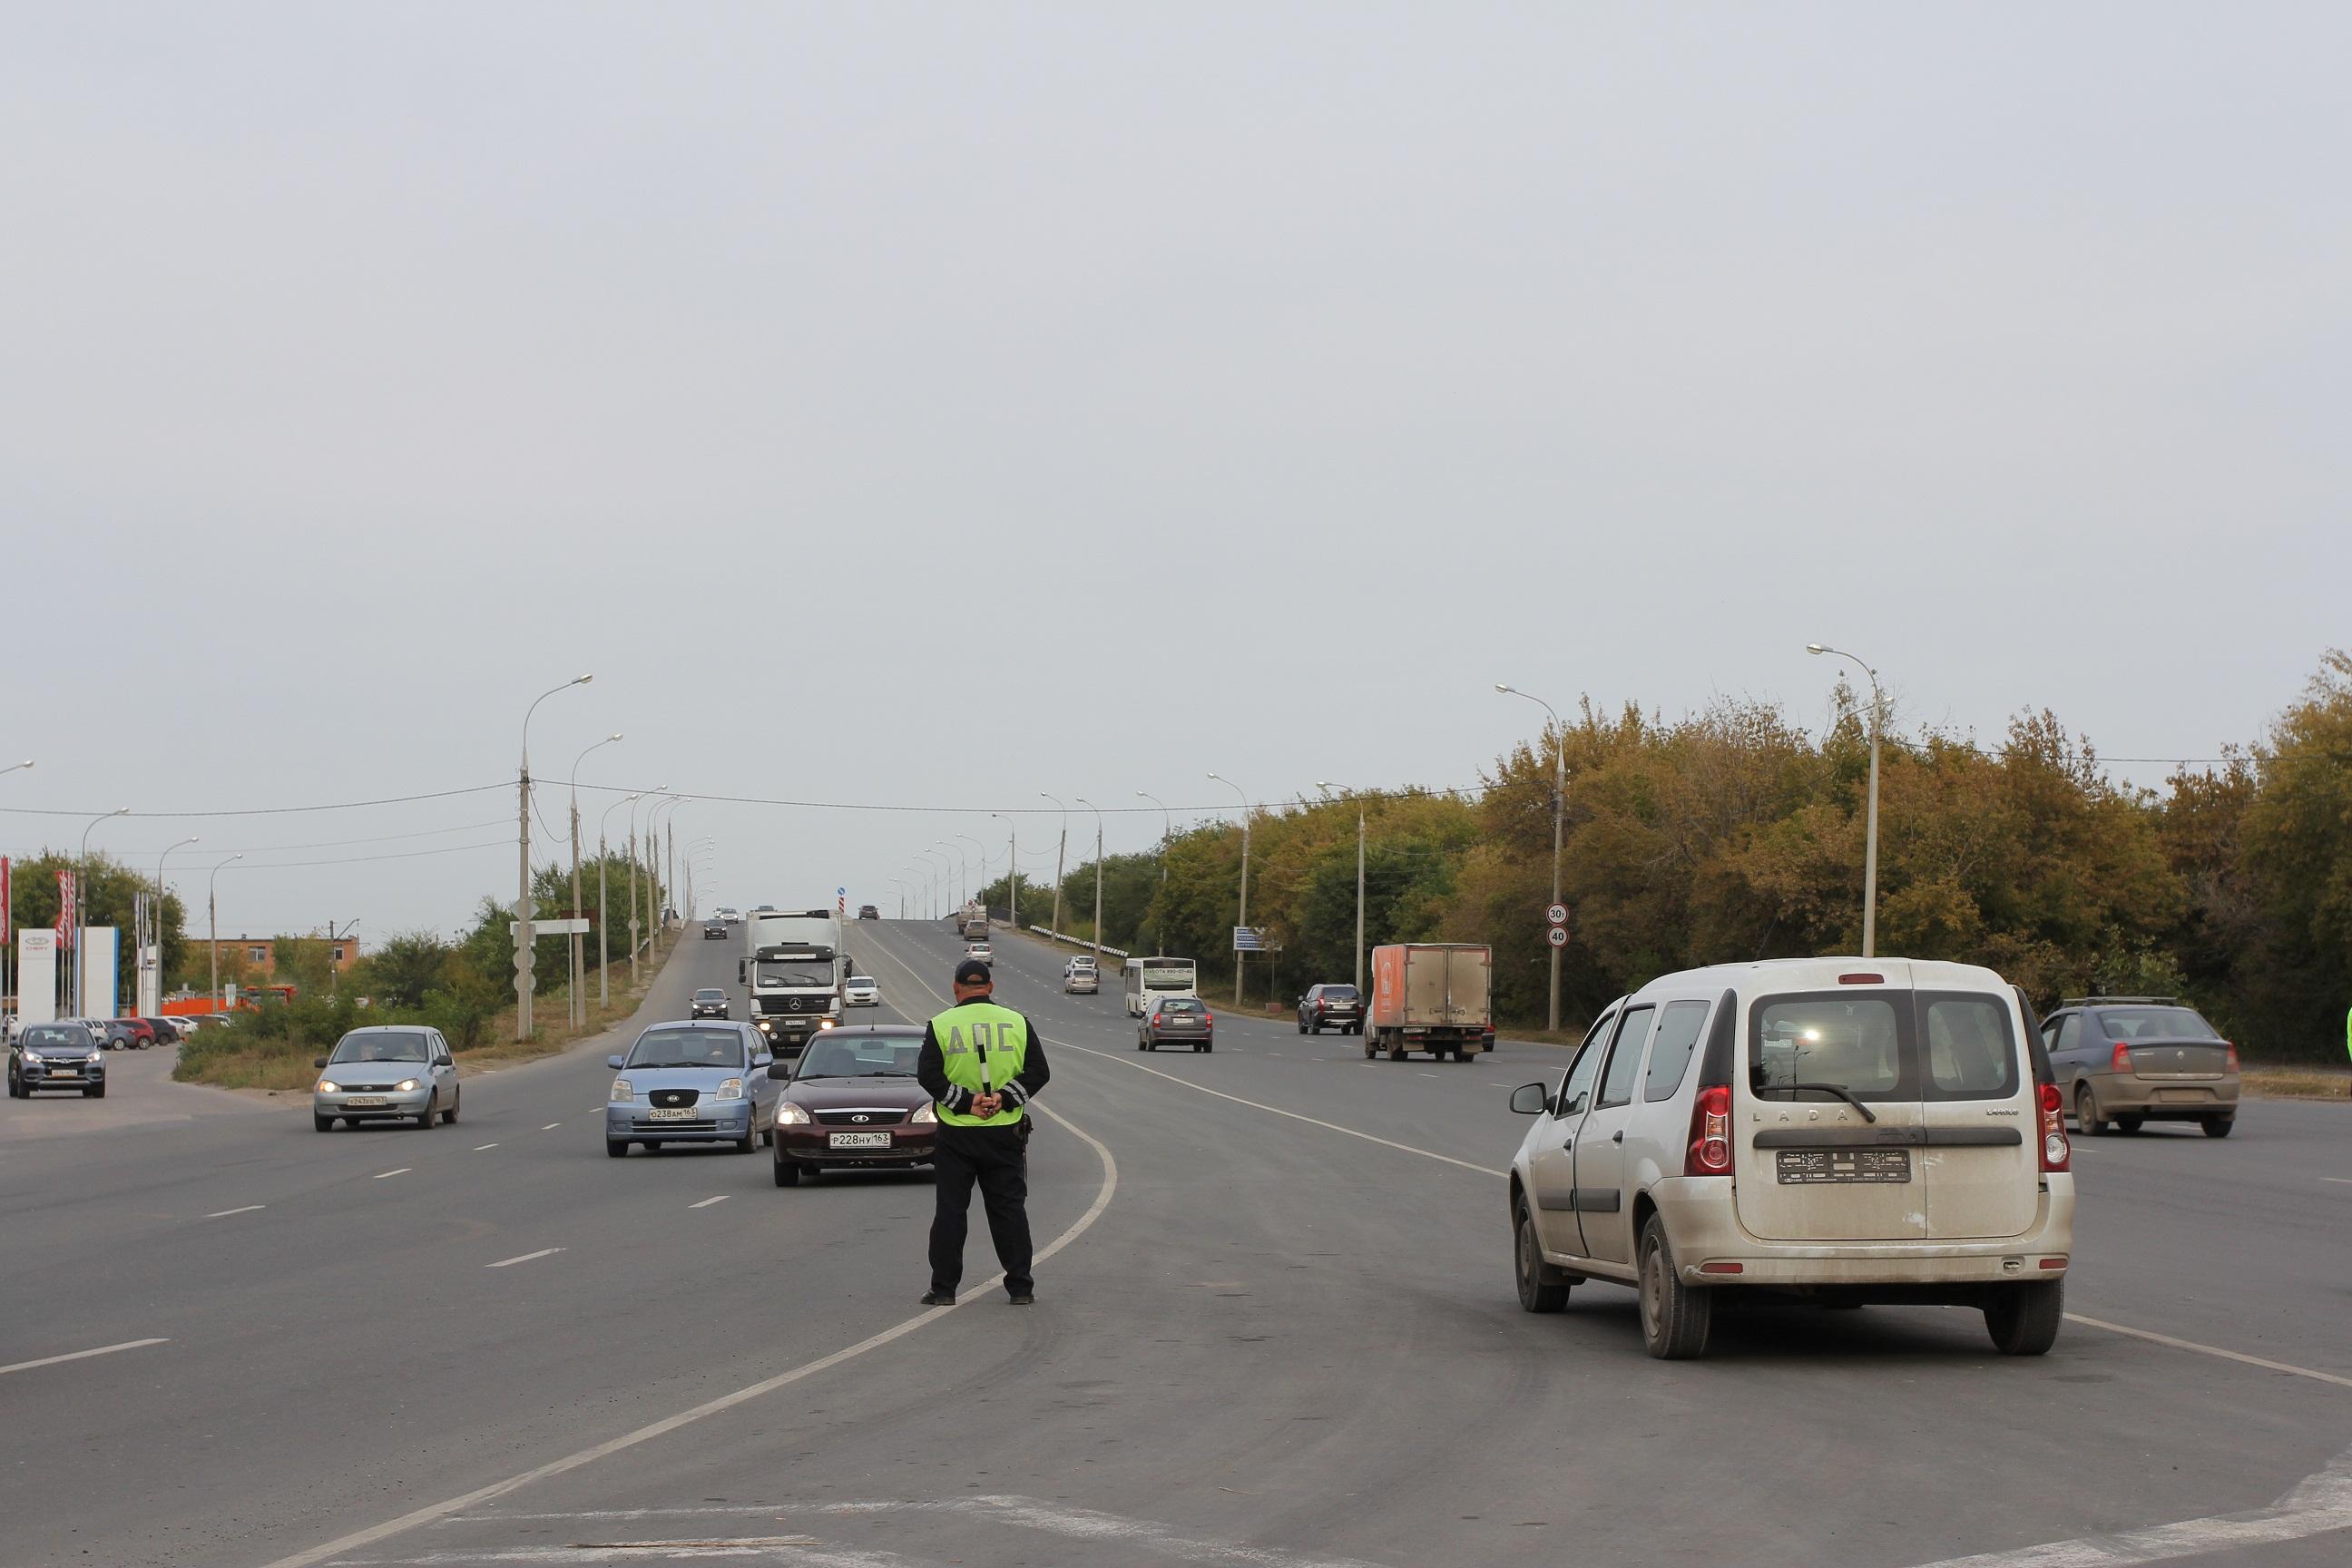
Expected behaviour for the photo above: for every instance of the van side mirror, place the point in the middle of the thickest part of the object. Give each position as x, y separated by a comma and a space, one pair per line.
779, 1072
1530, 1099
613, 1062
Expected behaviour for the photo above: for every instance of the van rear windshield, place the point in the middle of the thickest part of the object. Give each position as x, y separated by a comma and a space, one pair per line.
1880, 1046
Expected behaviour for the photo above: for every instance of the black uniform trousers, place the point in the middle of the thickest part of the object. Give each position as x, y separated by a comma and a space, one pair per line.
997, 1159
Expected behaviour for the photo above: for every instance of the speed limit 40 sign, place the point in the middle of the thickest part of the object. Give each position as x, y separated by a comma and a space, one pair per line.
1557, 936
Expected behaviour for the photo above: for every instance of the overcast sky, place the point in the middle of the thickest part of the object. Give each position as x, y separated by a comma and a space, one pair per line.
931, 405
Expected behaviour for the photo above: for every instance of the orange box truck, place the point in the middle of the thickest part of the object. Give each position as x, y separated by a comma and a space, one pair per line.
1432, 997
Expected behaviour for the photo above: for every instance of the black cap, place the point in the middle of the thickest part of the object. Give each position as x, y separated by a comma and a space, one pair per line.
973, 971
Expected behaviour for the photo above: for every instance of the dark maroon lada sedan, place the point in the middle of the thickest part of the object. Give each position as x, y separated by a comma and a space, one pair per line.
851, 1102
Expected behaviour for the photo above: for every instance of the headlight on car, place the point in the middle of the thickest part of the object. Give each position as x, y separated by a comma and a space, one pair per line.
791, 1115
96, 1057
329, 1086
33, 1057
925, 1113
731, 1090
405, 1084
622, 1093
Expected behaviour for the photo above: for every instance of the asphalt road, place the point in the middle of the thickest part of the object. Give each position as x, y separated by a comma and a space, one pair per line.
1277, 1330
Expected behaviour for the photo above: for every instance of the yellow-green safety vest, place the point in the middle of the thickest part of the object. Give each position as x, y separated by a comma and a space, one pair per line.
969, 1031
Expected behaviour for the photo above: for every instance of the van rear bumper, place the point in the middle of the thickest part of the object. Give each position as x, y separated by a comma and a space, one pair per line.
1702, 1222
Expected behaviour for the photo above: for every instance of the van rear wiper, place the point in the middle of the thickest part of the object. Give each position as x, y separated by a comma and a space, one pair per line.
1826, 1089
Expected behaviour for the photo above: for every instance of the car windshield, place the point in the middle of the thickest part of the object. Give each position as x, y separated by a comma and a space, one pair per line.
710, 993
2155, 1024
55, 1038
687, 1048
381, 1045
794, 974
876, 1056
861, 979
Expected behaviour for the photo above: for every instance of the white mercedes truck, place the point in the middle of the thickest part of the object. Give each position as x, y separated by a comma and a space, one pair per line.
794, 963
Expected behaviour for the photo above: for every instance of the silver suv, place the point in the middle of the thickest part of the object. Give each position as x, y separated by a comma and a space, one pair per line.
1849, 1130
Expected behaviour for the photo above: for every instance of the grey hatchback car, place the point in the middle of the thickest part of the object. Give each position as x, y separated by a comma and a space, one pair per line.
1176, 1021
698, 1081
389, 1072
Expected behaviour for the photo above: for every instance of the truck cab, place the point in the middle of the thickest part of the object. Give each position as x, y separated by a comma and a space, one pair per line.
794, 967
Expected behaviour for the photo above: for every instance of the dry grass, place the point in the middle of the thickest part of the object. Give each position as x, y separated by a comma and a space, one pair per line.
2297, 1083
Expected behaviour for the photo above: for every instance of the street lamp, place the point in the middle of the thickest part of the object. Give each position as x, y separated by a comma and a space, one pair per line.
961, 865
156, 915
658, 890
1090, 805
524, 979
1012, 871
980, 882
1166, 836
603, 856
1870, 845
576, 976
18, 768
653, 795
1559, 813
1241, 920
212, 920
1061, 848
937, 859
81, 904
1327, 783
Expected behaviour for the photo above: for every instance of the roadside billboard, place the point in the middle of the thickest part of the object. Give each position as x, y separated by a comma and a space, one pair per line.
36, 975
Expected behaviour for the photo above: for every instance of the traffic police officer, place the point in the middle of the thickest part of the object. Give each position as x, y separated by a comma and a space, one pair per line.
981, 1063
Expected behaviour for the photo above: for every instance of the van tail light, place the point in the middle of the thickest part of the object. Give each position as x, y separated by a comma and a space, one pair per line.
2229, 1059
2121, 1060
1710, 1133
2057, 1154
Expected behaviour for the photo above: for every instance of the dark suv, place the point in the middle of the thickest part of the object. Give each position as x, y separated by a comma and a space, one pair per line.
2135, 1059
1340, 1007
868, 912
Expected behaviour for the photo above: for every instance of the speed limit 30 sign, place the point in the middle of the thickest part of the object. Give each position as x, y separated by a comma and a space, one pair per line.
1557, 914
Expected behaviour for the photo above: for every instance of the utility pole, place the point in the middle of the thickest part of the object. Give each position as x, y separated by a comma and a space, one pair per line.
578, 980
1060, 851
603, 946
333, 969
525, 979
1167, 834
212, 918
1012, 871
1090, 805
1359, 899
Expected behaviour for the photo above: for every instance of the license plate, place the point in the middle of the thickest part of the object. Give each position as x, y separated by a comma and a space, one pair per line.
365, 1100
670, 1113
858, 1141
1799, 1167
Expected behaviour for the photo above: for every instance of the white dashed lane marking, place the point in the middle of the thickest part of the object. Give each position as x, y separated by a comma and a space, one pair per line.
479, 1147
81, 1355
525, 1258
551, 1127
224, 1214
708, 1202
379, 1175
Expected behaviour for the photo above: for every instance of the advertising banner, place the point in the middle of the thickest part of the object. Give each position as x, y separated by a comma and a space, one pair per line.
36, 975
64, 908
101, 986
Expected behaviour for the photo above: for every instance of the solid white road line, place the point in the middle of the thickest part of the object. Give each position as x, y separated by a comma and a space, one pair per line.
479, 1147
551, 1127
526, 1257
589, 1455
224, 1214
2341, 1180
708, 1202
83, 1355
2240, 1356
2315, 1505
379, 1175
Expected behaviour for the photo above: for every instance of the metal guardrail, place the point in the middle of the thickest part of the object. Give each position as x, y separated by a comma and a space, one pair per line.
1050, 934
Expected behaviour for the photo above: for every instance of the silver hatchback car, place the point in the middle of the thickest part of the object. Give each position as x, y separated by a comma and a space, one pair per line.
699, 1081
387, 1073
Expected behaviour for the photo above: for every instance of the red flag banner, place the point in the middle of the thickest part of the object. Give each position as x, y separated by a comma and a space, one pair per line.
64, 911
7, 901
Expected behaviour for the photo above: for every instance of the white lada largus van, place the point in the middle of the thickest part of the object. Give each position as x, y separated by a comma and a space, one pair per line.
1850, 1130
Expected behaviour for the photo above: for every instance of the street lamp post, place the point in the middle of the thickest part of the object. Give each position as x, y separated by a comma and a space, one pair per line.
1558, 814
979, 878
634, 868
959, 867
1061, 850
1090, 805
658, 890
1241, 919
524, 979
81, 902
577, 975
603, 948
1166, 836
941, 870
1870, 843
156, 917
1012, 871
10, 914
212, 921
